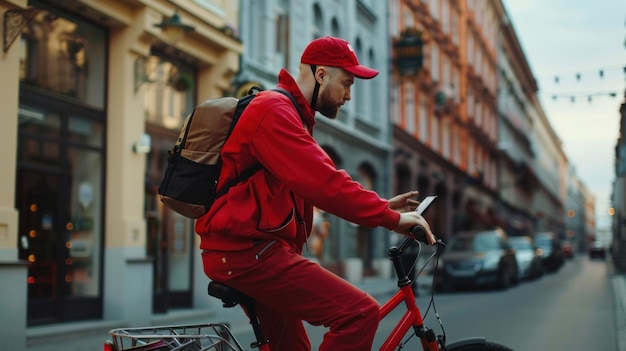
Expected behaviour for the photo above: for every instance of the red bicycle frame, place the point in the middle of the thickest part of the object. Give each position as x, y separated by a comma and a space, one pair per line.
411, 319
413, 316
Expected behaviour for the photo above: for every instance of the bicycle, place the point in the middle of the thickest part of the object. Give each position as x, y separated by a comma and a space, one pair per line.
193, 337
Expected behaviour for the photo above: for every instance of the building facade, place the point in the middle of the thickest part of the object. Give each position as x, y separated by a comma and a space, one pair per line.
94, 94
445, 115
468, 125
618, 198
548, 202
517, 90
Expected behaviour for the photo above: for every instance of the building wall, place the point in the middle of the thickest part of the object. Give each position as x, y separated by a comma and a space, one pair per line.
516, 91
212, 49
618, 199
13, 272
445, 117
8, 216
548, 200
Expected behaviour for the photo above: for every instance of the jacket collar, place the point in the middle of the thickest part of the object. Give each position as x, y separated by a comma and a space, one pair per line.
286, 81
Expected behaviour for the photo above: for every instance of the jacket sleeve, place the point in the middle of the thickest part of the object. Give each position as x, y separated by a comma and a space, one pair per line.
287, 151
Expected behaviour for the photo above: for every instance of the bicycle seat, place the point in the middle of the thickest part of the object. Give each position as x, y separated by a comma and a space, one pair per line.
230, 296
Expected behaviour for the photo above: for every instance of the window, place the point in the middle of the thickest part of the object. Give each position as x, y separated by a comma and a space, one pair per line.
281, 58
456, 146
445, 17
393, 102
410, 108
359, 97
169, 96
423, 118
445, 139
374, 109
64, 55
434, 134
318, 22
434, 62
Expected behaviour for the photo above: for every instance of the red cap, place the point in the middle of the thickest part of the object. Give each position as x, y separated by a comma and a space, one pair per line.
335, 52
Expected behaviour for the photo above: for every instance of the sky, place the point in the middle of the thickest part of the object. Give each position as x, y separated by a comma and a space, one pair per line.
574, 40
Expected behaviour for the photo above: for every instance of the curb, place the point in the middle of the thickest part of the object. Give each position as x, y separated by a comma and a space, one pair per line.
619, 293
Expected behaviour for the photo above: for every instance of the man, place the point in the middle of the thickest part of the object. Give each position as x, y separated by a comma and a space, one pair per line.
252, 237
319, 233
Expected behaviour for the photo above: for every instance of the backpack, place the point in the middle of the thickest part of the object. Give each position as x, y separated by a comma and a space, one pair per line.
189, 185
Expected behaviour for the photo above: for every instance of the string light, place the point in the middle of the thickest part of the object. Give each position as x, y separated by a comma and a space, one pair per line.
600, 72
596, 74
572, 97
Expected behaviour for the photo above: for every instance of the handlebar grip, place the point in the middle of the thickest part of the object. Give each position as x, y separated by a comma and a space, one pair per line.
419, 233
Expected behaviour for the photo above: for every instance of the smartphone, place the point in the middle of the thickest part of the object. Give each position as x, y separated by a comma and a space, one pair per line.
425, 203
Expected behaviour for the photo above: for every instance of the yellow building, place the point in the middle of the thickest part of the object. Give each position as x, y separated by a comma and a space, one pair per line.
93, 94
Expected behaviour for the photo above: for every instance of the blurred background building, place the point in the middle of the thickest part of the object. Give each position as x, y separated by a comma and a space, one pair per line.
94, 94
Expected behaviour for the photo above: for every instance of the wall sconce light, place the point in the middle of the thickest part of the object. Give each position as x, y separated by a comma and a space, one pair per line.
144, 144
174, 28
14, 21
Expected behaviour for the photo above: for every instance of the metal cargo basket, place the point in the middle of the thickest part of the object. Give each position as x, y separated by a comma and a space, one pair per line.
196, 337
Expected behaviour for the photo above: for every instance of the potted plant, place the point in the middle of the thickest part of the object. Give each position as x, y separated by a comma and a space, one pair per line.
183, 82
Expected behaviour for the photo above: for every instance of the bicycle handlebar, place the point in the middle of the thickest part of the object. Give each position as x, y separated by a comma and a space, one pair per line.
419, 233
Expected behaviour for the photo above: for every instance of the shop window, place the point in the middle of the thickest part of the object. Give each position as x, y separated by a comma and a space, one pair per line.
169, 94
65, 56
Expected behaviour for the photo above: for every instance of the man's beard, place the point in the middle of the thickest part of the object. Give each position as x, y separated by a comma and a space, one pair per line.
326, 108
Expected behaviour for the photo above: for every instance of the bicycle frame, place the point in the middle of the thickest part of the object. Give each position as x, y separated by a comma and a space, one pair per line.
413, 315
405, 294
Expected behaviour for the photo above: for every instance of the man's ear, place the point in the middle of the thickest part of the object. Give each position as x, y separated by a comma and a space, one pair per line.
320, 73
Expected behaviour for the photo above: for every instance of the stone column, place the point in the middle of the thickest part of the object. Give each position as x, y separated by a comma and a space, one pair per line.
13, 273
128, 272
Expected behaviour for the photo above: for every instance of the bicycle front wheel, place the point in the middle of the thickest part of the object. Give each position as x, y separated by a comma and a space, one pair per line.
476, 344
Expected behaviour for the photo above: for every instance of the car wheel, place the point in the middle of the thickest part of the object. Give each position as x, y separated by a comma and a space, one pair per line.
516, 278
505, 280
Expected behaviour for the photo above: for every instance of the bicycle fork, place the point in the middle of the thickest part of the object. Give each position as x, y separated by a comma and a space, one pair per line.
427, 336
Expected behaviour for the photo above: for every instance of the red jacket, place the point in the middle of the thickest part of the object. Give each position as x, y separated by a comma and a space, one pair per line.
271, 132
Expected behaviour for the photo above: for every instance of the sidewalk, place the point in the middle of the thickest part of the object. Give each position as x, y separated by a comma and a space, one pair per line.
90, 336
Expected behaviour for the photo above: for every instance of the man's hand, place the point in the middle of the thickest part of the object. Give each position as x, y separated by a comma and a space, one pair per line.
404, 202
408, 220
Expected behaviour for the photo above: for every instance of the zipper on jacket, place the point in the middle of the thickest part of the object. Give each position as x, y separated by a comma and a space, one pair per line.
282, 225
258, 255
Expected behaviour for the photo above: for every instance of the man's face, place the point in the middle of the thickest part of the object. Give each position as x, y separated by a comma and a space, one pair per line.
334, 91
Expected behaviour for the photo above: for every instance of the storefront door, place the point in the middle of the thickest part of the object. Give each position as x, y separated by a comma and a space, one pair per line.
170, 240
170, 235
59, 198
60, 164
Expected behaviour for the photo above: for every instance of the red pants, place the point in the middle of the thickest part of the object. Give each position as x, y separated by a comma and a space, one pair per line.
290, 289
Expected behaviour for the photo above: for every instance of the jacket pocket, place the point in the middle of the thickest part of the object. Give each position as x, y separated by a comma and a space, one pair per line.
275, 206
276, 228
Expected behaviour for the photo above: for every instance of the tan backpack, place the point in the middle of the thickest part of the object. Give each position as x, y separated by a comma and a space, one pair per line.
189, 185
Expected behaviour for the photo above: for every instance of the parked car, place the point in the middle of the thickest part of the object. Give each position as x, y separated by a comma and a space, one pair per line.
478, 258
551, 250
568, 249
528, 258
597, 250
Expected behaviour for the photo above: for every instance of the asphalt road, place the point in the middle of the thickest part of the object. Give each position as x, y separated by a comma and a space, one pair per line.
572, 309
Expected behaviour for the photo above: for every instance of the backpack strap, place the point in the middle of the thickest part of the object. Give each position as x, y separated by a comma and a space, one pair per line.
249, 172
293, 101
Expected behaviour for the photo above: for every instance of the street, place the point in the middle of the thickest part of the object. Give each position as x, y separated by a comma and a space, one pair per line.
572, 309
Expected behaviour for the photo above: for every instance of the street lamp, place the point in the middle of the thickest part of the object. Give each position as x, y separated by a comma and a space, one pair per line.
174, 28
408, 56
